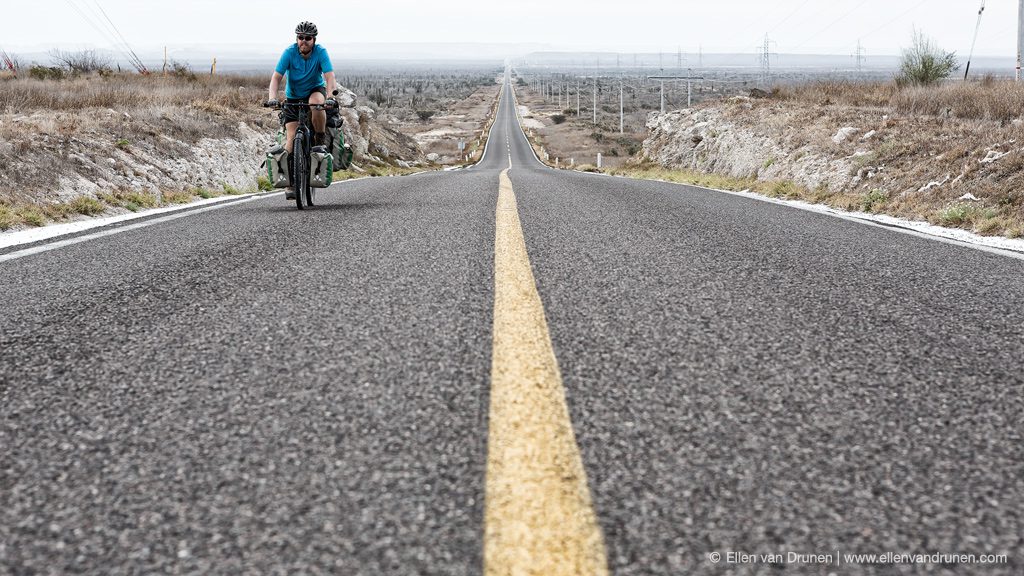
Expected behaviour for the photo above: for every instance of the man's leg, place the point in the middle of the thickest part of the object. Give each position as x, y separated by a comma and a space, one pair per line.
289, 135
319, 118
290, 128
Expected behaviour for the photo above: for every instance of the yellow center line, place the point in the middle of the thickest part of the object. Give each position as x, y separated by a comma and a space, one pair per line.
539, 517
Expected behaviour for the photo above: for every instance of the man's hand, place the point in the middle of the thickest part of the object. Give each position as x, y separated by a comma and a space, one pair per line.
271, 104
331, 103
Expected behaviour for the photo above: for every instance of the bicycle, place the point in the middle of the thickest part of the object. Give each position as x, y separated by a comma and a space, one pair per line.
305, 194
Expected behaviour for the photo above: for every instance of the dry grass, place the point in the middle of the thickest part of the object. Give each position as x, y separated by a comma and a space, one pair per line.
133, 108
989, 99
129, 91
375, 171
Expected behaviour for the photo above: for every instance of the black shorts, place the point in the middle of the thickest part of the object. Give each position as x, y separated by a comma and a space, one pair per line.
292, 114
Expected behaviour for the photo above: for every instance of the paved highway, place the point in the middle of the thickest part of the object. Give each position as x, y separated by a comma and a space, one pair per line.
259, 390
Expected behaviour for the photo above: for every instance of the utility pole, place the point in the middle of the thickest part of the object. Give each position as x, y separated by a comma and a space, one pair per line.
860, 57
578, 93
974, 41
1020, 35
620, 105
595, 99
689, 87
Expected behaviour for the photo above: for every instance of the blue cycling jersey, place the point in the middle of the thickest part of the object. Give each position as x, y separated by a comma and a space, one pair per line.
304, 74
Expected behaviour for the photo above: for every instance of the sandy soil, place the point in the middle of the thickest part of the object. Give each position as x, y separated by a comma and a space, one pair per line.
462, 122
576, 140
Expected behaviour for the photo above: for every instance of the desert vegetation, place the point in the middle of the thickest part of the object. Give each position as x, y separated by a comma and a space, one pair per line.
438, 108
410, 93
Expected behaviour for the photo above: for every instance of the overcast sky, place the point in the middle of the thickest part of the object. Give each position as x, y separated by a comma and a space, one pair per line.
793, 26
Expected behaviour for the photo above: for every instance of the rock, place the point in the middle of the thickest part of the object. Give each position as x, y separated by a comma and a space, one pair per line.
992, 156
346, 98
844, 134
433, 157
969, 197
869, 135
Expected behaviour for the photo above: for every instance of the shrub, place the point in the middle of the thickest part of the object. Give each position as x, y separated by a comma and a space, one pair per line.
37, 72
177, 197
873, 200
182, 70
425, 115
956, 214
81, 62
88, 206
7, 218
31, 215
558, 118
925, 63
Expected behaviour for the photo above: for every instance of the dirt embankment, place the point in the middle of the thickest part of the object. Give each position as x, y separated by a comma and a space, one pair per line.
104, 145
950, 171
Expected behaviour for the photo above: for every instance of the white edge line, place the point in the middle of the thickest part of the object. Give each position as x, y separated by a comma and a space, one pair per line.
95, 235
893, 226
491, 129
31, 235
57, 231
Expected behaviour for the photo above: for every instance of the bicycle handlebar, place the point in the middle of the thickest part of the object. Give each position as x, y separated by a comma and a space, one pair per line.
282, 105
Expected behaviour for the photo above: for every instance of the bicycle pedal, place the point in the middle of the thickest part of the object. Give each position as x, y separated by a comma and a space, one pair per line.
319, 149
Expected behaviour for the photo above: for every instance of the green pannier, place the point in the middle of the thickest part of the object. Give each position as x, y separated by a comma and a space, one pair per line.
277, 166
321, 169
340, 150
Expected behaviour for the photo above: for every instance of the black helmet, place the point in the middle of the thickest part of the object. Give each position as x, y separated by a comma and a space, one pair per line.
307, 28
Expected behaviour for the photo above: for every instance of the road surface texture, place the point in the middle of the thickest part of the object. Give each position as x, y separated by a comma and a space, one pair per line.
260, 390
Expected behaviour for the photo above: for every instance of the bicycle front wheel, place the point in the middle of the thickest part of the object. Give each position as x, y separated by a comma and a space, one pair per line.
301, 178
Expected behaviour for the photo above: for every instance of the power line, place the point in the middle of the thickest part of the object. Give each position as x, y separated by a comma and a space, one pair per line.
832, 23
901, 15
137, 62
788, 16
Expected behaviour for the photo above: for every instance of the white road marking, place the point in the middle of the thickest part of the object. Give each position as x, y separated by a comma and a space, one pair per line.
94, 236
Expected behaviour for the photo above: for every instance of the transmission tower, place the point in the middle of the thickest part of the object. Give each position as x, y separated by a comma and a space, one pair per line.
861, 56
766, 60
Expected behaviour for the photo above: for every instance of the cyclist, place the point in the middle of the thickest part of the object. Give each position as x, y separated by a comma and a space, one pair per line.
310, 79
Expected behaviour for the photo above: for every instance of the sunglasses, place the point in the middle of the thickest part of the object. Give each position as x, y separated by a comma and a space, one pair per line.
306, 38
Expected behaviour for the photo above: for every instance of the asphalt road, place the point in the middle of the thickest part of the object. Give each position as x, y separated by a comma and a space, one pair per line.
260, 390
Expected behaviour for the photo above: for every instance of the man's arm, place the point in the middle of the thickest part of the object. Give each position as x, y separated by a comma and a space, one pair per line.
331, 85
275, 85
